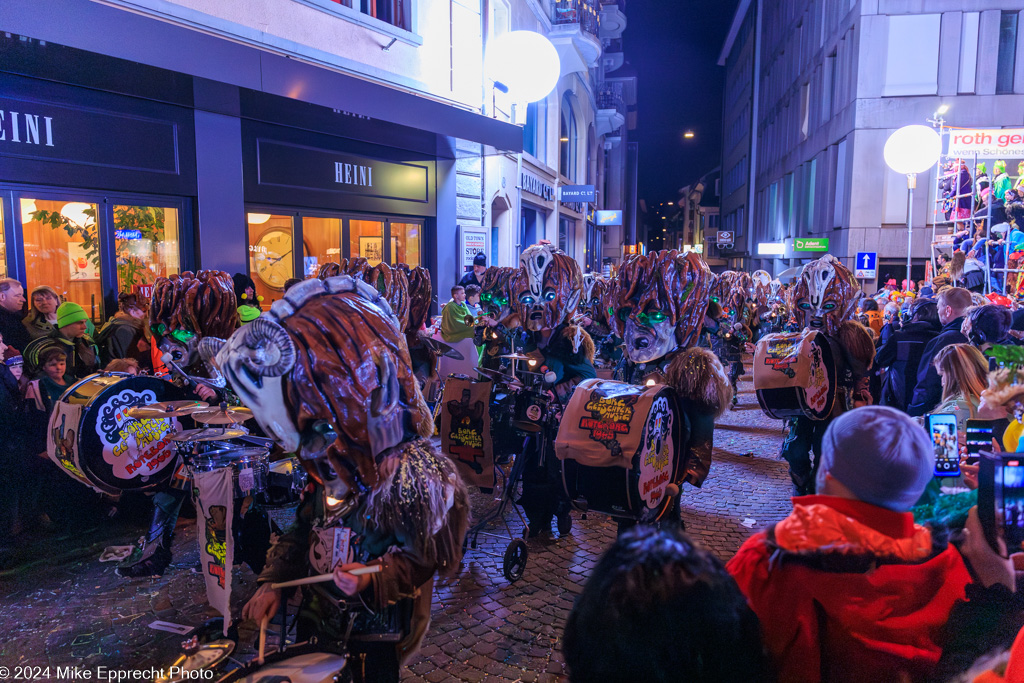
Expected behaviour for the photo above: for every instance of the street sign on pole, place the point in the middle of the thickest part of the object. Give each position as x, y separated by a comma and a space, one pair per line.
577, 193
866, 266
724, 236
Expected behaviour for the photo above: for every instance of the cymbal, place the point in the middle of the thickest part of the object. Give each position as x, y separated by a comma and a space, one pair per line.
198, 658
442, 349
206, 434
516, 356
216, 416
165, 409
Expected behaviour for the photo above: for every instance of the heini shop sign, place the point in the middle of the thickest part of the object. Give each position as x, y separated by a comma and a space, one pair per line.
986, 143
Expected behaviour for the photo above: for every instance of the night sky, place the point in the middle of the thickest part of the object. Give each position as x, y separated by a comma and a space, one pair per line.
674, 46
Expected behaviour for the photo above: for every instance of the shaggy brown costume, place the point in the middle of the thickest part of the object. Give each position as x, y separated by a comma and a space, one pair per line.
203, 303
420, 295
393, 284
667, 281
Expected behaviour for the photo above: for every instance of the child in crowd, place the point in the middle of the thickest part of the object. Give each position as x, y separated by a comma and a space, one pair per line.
47, 390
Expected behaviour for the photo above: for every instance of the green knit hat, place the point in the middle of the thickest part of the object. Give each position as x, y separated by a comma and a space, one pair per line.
69, 312
248, 313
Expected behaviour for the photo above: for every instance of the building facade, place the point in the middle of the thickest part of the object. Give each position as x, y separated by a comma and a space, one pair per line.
813, 91
148, 137
577, 135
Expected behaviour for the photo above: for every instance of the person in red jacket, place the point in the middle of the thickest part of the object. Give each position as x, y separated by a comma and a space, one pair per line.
848, 587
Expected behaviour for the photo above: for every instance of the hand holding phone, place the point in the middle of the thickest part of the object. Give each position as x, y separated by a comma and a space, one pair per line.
1001, 500
945, 441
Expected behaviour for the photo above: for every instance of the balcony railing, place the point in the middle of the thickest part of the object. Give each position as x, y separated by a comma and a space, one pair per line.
610, 99
586, 13
392, 12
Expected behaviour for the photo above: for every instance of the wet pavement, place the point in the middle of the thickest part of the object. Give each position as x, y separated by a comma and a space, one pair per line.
60, 607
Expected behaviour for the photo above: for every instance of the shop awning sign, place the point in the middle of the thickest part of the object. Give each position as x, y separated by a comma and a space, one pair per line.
577, 193
986, 143
608, 217
811, 244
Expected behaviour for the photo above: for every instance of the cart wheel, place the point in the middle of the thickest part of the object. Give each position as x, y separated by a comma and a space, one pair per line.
514, 562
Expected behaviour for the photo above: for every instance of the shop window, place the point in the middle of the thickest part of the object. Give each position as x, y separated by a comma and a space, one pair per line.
146, 244
61, 239
366, 239
322, 237
406, 240
394, 12
271, 261
912, 60
567, 137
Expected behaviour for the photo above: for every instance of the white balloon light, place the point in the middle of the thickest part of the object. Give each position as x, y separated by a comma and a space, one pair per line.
258, 218
76, 213
524, 62
912, 149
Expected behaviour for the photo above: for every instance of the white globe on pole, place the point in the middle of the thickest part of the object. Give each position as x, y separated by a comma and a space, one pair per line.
912, 149
524, 62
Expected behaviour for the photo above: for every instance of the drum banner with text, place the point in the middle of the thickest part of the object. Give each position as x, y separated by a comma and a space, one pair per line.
466, 430
62, 440
604, 423
132, 447
783, 360
213, 494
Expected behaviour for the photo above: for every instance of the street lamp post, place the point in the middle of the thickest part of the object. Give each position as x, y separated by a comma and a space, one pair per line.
912, 150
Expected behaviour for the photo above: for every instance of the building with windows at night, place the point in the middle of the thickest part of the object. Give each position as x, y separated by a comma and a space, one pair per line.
141, 138
577, 135
812, 92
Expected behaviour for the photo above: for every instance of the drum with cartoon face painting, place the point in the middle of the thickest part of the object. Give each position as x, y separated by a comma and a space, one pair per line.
619, 447
91, 439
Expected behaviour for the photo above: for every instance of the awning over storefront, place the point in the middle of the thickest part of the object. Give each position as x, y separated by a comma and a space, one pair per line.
108, 30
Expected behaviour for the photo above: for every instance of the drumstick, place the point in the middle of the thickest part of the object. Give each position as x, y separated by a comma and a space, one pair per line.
263, 638
320, 578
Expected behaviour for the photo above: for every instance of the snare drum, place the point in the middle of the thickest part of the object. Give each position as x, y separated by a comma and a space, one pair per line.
618, 446
250, 467
285, 482
314, 667
93, 441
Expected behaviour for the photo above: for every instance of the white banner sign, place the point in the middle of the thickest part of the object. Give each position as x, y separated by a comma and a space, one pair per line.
1004, 143
213, 494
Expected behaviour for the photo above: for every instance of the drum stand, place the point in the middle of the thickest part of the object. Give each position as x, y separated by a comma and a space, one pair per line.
516, 553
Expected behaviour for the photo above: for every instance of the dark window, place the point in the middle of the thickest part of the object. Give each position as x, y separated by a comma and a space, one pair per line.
1007, 52
567, 136
530, 130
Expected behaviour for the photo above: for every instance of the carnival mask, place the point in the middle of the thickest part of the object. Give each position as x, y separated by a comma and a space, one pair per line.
188, 307
327, 374
825, 295
495, 297
657, 303
548, 289
594, 289
761, 289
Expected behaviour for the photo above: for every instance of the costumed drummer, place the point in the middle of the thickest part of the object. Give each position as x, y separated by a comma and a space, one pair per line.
547, 292
182, 311
500, 334
825, 300
327, 375
659, 301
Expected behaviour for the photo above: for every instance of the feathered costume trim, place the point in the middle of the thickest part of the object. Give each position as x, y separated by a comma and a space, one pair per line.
697, 374
421, 499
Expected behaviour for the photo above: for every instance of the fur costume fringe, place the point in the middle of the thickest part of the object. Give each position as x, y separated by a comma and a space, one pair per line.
697, 375
1003, 387
956, 266
586, 342
423, 501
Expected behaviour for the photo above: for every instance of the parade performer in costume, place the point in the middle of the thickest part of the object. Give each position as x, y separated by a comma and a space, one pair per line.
659, 302
183, 310
421, 294
594, 316
825, 300
501, 329
546, 293
327, 374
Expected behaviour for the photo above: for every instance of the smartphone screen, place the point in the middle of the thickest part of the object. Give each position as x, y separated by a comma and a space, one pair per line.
1009, 500
979, 437
942, 431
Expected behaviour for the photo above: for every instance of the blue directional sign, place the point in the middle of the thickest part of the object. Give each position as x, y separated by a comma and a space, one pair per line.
866, 266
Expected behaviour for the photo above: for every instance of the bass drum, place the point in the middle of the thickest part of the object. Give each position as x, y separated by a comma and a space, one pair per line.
93, 441
795, 375
620, 448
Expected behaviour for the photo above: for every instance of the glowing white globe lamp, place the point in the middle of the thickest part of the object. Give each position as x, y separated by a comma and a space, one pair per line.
524, 62
912, 150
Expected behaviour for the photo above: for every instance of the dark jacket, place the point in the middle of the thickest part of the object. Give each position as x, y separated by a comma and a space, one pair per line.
901, 354
119, 338
928, 391
470, 279
13, 330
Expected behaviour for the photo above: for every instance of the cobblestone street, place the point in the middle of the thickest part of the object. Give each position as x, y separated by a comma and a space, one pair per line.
62, 607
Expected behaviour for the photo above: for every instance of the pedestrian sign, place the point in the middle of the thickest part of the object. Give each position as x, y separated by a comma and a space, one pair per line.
866, 265
811, 244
